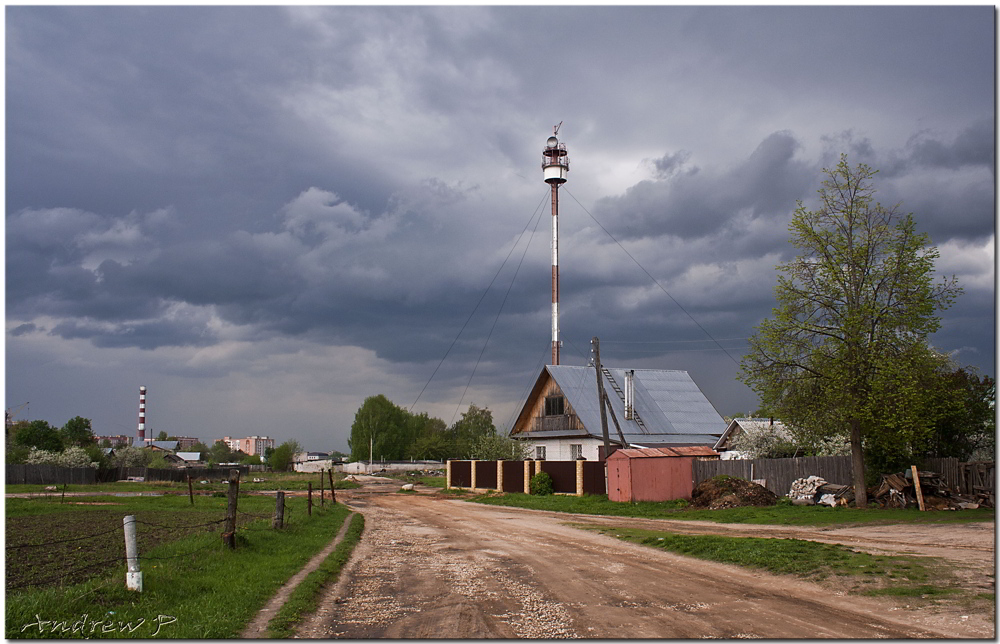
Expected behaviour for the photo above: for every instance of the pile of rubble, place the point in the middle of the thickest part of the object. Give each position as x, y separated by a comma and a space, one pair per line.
724, 491
898, 491
815, 490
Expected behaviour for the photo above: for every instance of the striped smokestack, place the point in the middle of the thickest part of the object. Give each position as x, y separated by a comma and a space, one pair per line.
142, 414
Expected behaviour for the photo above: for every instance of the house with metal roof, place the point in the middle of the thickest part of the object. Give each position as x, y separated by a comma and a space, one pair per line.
750, 427
648, 408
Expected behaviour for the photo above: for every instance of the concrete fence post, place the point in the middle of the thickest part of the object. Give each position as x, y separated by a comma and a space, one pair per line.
133, 576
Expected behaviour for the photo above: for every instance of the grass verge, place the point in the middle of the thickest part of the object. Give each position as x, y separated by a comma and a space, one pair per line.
901, 575
193, 587
305, 598
781, 514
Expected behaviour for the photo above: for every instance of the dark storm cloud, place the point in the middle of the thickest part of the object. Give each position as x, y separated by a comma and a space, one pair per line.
235, 193
691, 202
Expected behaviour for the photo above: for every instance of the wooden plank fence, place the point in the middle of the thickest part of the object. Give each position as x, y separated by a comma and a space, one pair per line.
964, 478
58, 475
50, 475
778, 473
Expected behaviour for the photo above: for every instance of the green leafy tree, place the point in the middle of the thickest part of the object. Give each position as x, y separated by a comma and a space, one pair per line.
764, 442
282, 457
251, 459
961, 404
380, 431
200, 447
77, 432
846, 347
220, 452
38, 433
495, 447
162, 436
159, 461
475, 423
131, 457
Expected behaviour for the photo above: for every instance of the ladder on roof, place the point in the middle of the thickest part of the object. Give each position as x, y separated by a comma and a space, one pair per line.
621, 394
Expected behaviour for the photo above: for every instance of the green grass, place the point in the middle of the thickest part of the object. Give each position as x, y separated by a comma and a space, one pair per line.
305, 598
193, 587
774, 515
899, 575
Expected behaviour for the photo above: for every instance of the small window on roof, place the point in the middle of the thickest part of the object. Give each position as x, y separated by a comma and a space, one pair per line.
555, 406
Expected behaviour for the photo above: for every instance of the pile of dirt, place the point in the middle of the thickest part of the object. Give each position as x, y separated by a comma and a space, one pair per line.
729, 492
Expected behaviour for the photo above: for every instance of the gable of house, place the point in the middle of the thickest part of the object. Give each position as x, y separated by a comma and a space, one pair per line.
670, 409
738, 426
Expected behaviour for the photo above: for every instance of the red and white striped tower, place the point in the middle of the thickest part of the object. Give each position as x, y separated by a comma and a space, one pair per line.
142, 415
555, 167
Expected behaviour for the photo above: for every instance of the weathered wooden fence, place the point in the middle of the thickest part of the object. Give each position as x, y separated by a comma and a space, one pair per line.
964, 478
58, 475
568, 477
778, 473
50, 475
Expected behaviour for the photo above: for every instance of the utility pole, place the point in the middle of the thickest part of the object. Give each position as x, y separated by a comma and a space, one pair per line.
601, 395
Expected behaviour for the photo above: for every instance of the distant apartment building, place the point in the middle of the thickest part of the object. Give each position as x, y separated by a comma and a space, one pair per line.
120, 440
184, 442
250, 445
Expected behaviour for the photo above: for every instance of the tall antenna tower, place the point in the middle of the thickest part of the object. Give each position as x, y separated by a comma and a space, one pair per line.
555, 168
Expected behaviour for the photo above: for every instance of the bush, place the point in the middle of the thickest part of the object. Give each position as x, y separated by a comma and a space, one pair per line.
541, 484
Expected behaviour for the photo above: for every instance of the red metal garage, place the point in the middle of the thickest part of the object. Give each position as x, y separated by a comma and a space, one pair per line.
653, 474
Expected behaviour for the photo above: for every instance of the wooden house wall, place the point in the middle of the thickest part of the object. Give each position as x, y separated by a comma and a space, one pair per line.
537, 407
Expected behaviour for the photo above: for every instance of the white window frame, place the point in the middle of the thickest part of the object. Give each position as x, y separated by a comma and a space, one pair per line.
539, 452
575, 451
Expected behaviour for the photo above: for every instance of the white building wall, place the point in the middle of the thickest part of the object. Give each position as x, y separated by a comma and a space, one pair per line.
559, 449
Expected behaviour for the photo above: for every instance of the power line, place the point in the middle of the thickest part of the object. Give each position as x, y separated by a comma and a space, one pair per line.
651, 277
497, 318
481, 298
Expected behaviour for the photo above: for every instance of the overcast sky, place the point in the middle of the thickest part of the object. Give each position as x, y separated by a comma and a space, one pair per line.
266, 215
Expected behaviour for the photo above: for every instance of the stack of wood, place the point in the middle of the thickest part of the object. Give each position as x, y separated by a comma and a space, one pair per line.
898, 491
815, 489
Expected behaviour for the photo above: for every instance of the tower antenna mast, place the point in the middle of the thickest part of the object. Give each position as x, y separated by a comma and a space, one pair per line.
555, 168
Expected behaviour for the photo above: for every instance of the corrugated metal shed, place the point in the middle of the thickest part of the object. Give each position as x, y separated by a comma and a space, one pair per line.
658, 474
672, 408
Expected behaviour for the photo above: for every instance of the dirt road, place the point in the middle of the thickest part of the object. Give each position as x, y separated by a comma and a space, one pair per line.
430, 567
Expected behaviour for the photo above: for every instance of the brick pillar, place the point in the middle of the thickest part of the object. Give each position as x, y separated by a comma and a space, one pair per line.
527, 477
579, 478
472, 466
447, 475
500, 476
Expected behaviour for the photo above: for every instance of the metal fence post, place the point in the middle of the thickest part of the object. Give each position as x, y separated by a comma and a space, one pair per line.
133, 576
